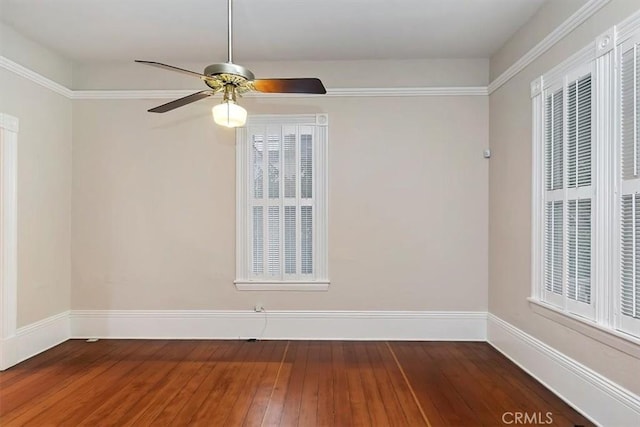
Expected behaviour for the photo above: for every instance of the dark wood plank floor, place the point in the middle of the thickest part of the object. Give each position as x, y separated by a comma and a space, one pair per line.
274, 383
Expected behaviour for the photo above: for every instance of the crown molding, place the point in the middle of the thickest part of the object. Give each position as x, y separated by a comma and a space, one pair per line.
337, 92
411, 91
131, 94
570, 24
39, 79
31, 75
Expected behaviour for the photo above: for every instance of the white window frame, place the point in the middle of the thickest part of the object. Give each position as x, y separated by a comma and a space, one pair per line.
602, 57
319, 280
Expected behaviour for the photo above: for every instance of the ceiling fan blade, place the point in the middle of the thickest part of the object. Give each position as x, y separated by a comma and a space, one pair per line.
181, 101
172, 68
304, 85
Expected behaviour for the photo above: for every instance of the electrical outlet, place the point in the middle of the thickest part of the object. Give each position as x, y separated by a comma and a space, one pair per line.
258, 308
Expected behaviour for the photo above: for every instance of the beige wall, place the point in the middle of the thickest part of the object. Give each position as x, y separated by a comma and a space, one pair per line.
154, 206
510, 207
44, 196
153, 196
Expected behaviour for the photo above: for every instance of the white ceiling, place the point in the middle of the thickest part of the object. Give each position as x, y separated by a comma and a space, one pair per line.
195, 30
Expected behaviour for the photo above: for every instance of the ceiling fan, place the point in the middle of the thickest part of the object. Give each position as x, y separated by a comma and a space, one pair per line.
233, 80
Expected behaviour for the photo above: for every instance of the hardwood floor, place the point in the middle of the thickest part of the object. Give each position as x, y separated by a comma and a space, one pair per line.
275, 383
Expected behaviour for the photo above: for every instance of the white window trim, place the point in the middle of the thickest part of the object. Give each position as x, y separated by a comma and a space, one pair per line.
604, 325
320, 237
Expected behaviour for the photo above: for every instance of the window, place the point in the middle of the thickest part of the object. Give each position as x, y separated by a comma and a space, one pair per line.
282, 203
586, 184
568, 193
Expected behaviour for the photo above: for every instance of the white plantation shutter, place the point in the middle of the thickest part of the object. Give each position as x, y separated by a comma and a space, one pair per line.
567, 225
579, 193
629, 292
282, 200
554, 205
554, 174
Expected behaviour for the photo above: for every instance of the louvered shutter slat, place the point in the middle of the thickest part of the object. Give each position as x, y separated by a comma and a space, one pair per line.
558, 141
554, 141
306, 239
306, 166
258, 240
257, 163
553, 247
548, 144
629, 253
290, 240
636, 256
273, 166
579, 250
572, 136
572, 256
289, 165
630, 114
579, 150
273, 259
584, 131
583, 245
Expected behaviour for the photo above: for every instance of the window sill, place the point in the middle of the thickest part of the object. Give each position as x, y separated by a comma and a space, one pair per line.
615, 339
317, 286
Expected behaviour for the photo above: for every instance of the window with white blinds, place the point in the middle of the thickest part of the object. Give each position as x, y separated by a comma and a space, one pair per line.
567, 198
586, 184
282, 221
629, 201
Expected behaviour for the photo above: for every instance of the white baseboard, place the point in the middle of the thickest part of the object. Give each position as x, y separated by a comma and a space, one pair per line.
34, 339
315, 325
596, 397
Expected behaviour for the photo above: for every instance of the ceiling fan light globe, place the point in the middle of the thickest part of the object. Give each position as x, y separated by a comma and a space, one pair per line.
229, 114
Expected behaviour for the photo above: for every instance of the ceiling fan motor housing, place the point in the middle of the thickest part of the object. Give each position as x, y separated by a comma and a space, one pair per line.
227, 73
